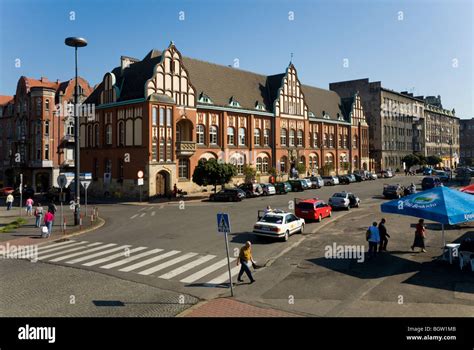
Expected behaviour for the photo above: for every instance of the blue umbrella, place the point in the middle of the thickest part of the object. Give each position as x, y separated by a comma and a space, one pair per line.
440, 204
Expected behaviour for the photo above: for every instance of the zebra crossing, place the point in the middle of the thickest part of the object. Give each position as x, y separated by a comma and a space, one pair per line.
185, 267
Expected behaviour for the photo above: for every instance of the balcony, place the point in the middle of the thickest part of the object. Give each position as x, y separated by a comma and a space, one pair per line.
67, 163
67, 139
185, 148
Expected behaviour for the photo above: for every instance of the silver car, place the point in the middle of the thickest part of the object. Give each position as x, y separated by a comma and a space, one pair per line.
330, 180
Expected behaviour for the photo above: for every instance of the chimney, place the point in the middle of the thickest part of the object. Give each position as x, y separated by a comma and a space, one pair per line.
44, 80
125, 62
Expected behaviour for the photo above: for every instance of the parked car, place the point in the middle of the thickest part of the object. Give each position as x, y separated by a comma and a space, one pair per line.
344, 179
443, 175
7, 190
308, 182
228, 195
330, 180
312, 209
358, 177
364, 174
282, 187
393, 191
372, 176
430, 182
317, 181
268, 189
386, 174
251, 189
345, 200
427, 171
278, 224
351, 177
296, 185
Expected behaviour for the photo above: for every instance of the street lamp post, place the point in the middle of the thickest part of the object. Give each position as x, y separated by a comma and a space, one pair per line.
76, 42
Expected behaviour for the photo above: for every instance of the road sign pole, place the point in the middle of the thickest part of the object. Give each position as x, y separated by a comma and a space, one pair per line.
62, 212
228, 264
85, 197
21, 192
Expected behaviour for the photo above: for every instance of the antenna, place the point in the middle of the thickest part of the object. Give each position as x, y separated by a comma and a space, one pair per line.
291, 57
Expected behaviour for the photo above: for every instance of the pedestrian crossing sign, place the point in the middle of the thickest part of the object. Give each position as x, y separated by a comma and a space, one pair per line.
223, 222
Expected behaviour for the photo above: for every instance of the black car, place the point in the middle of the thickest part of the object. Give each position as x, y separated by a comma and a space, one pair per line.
393, 191
358, 177
344, 180
228, 195
251, 189
296, 186
430, 182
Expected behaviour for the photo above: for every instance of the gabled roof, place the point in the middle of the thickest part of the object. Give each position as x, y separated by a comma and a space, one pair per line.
5, 99
320, 100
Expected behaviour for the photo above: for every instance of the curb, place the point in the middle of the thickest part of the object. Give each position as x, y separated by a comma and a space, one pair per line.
192, 308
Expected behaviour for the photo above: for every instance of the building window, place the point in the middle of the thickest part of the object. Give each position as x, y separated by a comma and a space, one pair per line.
38, 106
262, 165
283, 135
315, 140
168, 150
121, 133
162, 149
266, 137
314, 162
89, 135
239, 161
331, 140
46, 105
70, 128
162, 116
300, 138
108, 166
355, 142
108, 134
154, 119
46, 128
168, 117
154, 148
292, 137
200, 134
330, 160
97, 134
259, 164
345, 141
283, 165
242, 140
46, 152
120, 169
230, 136
183, 169
256, 137
213, 135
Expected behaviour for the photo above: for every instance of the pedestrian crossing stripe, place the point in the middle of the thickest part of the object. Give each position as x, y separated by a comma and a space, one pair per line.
185, 267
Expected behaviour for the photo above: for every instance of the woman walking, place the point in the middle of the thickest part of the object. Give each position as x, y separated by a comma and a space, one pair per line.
48, 221
39, 214
420, 235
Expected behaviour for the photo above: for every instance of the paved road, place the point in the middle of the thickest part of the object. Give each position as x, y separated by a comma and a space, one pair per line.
177, 248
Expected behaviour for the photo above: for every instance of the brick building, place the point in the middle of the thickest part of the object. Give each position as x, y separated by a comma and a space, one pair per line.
467, 141
36, 136
163, 113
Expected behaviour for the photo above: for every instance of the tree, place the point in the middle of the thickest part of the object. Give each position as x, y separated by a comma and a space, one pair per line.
301, 168
410, 160
249, 173
433, 160
272, 171
327, 169
422, 158
212, 172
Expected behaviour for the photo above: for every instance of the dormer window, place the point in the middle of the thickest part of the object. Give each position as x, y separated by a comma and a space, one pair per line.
233, 103
259, 106
311, 115
203, 98
340, 117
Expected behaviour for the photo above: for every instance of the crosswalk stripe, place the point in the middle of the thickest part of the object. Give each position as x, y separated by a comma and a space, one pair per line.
95, 255
133, 216
142, 215
187, 267
153, 213
142, 209
167, 264
55, 245
151, 208
200, 274
83, 252
149, 261
225, 276
68, 250
52, 249
131, 258
112, 257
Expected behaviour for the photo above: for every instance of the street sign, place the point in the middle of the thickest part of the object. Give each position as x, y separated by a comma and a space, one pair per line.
69, 178
85, 184
223, 222
140, 174
62, 180
85, 176
140, 182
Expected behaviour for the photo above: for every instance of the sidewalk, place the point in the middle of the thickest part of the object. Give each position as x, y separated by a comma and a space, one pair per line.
225, 307
30, 234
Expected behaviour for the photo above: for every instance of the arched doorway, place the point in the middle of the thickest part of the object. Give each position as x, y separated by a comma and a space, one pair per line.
42, 182
162, 181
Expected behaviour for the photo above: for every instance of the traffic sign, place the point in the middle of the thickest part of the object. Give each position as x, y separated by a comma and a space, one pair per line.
85, 184
69, 178
140, 182
223, 222
85, 176
140, 174
62, 180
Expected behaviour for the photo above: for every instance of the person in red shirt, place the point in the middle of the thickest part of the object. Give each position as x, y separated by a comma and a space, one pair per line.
420, 235
48, 221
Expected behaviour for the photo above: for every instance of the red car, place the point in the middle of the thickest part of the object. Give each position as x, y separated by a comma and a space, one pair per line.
7, 190
312, 209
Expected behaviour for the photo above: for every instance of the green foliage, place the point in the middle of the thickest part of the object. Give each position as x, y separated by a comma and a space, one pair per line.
272, 171
410, 160
213, 172
326, 169
13, 225
249, 173
433, 160
301, 168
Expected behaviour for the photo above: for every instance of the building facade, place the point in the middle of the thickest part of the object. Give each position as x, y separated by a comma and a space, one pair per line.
441, 132
396, 123
466, 131
164, 113
36, 132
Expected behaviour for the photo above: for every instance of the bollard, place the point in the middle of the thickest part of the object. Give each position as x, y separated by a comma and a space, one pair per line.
80, 222
64, 226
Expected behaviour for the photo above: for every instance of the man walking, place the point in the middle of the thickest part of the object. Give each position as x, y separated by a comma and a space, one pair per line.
245, 260
9, 201
373, 237
384, 236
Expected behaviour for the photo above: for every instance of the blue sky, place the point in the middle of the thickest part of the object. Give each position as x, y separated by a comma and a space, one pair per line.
415, 54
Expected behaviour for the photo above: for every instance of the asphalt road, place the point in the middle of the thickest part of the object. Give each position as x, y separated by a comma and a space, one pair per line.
188, 233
